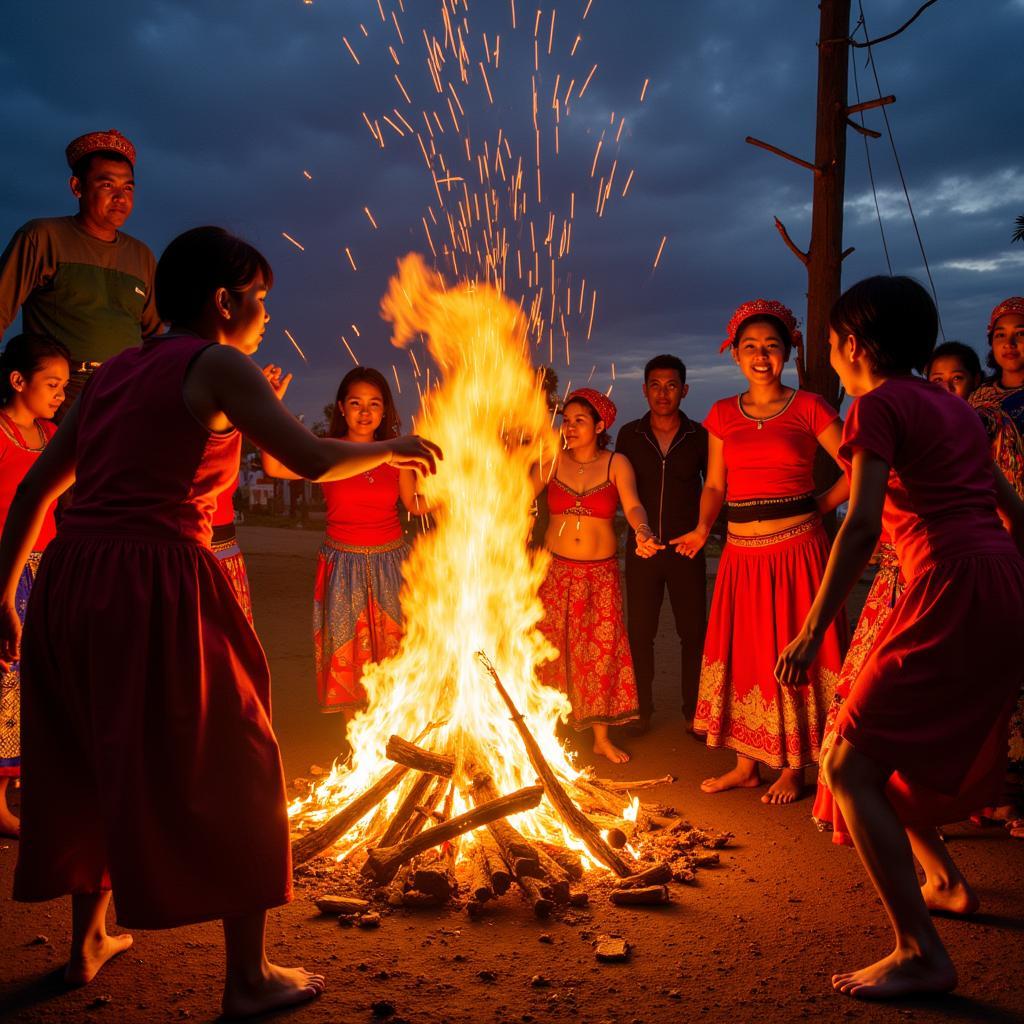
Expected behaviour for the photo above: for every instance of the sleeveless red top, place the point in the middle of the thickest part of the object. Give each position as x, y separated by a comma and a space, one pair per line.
16, 459
600, 501
145, 466
773, 457
224, 513
362, 511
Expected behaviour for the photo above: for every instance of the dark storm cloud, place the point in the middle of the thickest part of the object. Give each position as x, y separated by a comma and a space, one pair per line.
228, 102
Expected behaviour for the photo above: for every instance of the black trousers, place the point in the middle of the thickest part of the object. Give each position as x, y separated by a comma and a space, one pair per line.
646, 582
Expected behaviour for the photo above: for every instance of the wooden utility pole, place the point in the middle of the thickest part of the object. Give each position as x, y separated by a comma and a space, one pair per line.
825, 254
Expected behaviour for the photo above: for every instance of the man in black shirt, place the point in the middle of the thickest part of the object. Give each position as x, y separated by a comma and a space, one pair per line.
669, 453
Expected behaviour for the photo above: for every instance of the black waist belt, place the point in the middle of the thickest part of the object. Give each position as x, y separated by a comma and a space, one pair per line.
223, 533
756, 509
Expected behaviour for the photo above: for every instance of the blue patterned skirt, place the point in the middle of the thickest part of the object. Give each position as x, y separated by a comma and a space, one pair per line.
10, 683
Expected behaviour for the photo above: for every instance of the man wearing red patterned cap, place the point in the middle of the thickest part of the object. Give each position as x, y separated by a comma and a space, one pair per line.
80, 279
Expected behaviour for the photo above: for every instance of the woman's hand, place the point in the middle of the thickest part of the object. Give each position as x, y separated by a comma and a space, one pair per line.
414, 452
10, 636
689, 544
647, 544
277, 379
795, 660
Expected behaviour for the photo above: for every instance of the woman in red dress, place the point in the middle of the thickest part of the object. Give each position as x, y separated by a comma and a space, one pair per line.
33, 373
582, 592
357, 615
761, 450
921, 740
150, 763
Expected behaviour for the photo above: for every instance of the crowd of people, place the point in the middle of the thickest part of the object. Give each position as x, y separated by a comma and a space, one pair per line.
131, 764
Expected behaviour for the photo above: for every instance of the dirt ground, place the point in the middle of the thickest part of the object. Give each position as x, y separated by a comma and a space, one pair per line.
755, 939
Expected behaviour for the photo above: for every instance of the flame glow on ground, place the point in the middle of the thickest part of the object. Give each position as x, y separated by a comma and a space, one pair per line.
471, 583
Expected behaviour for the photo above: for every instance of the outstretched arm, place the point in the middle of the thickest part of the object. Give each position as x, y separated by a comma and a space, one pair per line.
624, 478
1011, 509
851, 550
51, 475
225, 388
712, 497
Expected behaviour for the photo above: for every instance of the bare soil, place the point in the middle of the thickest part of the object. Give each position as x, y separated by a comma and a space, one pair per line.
754, 939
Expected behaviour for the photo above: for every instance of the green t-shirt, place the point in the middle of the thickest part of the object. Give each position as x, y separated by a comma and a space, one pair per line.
94, 296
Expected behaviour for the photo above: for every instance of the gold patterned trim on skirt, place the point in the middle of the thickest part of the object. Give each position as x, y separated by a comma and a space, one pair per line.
766, 540
221, 548
371, 549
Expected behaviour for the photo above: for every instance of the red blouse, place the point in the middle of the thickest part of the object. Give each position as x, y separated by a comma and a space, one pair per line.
940, 501
363, 510
224, 513
773, 457
16, 459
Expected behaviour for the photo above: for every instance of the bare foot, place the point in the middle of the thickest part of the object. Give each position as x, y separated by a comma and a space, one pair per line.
85, 963
277, 988
786, 789
898, 974
952, 898
1015, 828
738, 778
10, 824
608, 749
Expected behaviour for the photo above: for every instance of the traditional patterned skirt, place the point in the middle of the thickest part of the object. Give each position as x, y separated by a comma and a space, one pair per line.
583, 621
10, 683
934, 696
357, 617
232, 561
764, 590
885, 589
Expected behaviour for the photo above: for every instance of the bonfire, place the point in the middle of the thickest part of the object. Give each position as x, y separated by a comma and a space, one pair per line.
457, 781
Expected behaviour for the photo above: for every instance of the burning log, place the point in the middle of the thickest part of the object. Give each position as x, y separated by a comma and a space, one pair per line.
406, 809
520, 855
580, 825
658, 874
568, 861
433, 882
651, 895
616, 786
403, 752
481, 888
315, 842
382, 862
557, 877
490, 855
535, 895
424, 811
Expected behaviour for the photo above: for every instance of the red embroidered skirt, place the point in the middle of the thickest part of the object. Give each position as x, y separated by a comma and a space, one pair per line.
878, 605
934, 696
150, 765
357, 617
764, 589
232, 561
583, 621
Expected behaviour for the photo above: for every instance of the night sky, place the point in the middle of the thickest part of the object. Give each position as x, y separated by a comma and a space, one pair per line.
228, 103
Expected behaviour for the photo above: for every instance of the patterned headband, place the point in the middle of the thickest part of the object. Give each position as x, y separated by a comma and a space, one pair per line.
97, 142
1014, 304
603, 405
762, 307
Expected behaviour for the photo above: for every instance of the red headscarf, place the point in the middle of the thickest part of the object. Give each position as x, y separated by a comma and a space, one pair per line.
762, 307
603, 405
1014, 304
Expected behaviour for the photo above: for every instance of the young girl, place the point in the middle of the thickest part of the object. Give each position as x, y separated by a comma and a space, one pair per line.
1000, 403
919, 741
33, 374
761, 450
582, 594
150, 764
357, 617
955, 367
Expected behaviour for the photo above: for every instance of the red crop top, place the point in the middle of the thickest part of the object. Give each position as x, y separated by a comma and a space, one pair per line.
773, 457
16, 459
600, 501
363, 510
